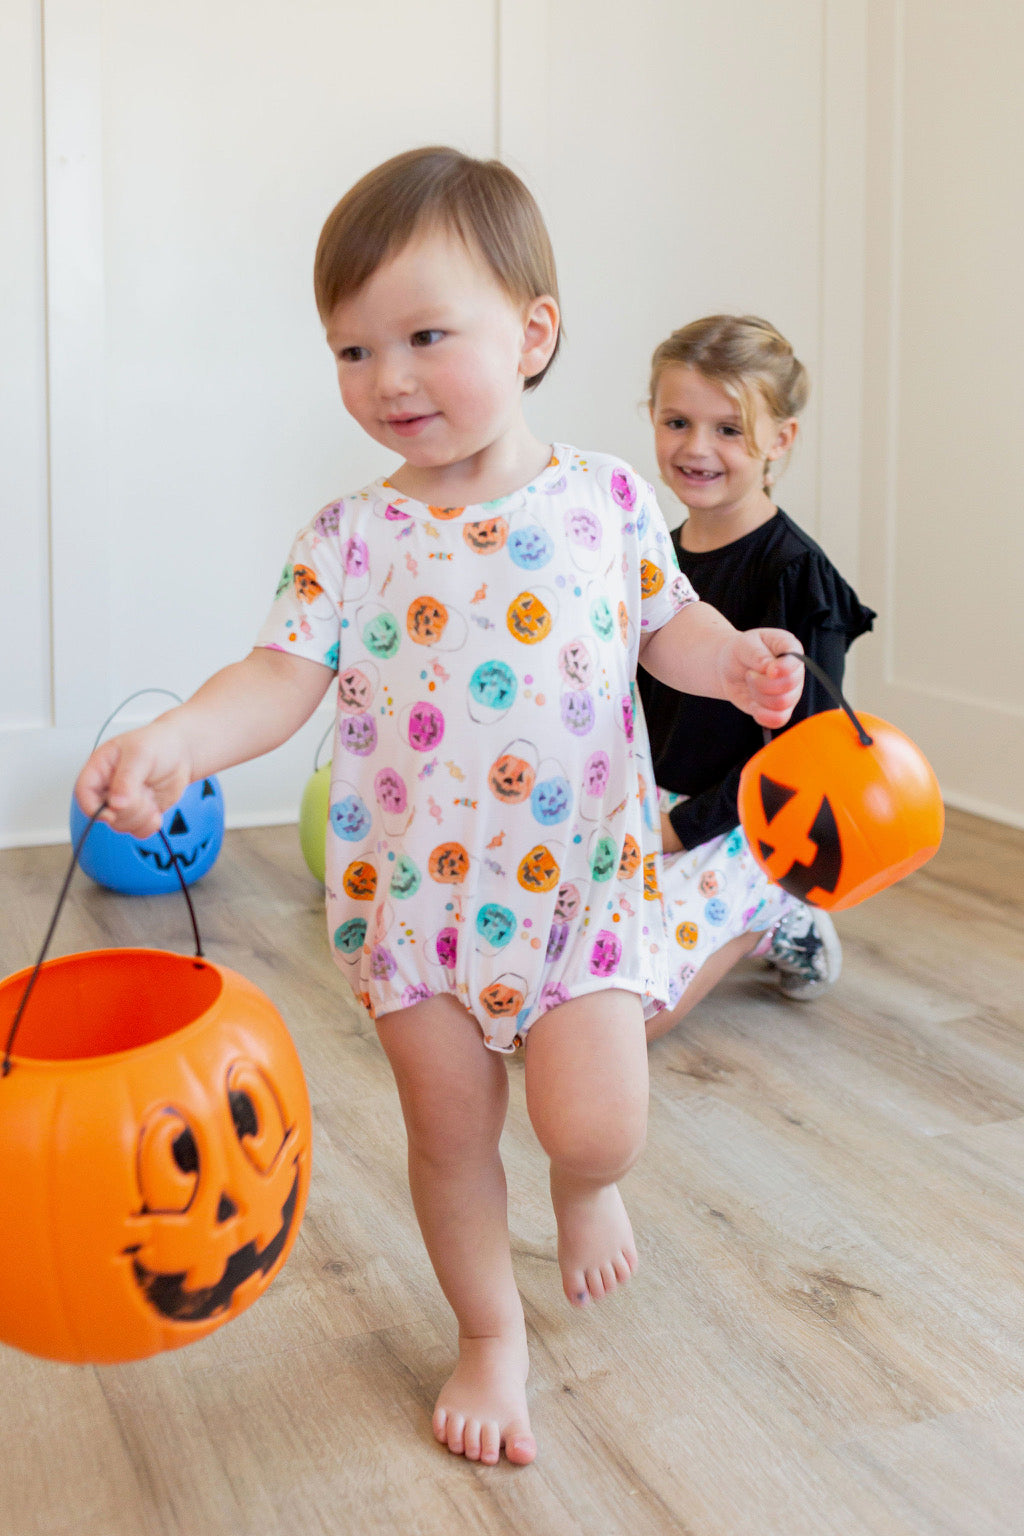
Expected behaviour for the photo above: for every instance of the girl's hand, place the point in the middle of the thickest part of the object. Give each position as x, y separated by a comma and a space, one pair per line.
758, 678
139, 775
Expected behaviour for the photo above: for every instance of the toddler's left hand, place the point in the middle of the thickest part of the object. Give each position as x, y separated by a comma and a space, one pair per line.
759, 678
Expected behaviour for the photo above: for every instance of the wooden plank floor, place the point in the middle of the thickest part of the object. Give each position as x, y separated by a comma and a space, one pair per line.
827, 1335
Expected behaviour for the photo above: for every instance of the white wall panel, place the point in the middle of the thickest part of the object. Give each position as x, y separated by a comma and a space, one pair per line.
943, 527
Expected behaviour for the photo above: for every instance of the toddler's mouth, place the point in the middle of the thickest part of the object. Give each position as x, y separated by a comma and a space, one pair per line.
407, 425
699, 474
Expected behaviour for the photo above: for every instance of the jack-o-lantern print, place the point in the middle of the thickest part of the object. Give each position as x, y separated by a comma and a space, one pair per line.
406, 877
446, 514
539, 870
424, 725
512, 775
629, 859
487, 536
558, 938
349, 816
551, 800
576, 664
360, 880
530, 548
652, 890
528, 619
652, 578
603, 858
307, 588
358, 734
356, 688
448, 864
577, 711
492, 691
567, 903
503, 998
350, 936
446, 947
687, 935
601, 619
380, 632
425, 620
496, 925
605, 954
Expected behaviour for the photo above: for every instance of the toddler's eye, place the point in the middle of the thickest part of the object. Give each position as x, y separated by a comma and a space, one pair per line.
352, 354
677, 423
728, 431
426, 338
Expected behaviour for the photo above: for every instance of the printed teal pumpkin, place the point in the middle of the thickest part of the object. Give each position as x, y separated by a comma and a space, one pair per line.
140, 866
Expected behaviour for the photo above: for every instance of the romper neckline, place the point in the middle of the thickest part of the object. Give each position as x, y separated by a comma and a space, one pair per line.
472, 511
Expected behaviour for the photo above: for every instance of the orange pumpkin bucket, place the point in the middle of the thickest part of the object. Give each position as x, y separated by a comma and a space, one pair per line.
838, 806
155, 1150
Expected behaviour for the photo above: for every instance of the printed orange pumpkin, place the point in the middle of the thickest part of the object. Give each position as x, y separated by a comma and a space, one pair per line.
528, 619
538, 871
833, 817
155, 1145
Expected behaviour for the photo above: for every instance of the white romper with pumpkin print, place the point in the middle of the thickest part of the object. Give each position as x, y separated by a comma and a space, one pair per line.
493, 826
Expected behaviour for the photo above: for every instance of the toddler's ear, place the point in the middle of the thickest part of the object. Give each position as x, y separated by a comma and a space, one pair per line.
540, 333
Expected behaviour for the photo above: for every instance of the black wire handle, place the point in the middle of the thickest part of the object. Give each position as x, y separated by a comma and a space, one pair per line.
834, 693
167, 692
76, 851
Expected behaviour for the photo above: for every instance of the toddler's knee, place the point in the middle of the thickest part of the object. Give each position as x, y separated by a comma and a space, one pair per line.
593, 1151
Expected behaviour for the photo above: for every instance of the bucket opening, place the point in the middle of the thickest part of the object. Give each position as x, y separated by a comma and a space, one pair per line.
106, 1001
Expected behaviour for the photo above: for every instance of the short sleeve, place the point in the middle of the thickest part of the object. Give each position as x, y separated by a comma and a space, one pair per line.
305, 616
664, 590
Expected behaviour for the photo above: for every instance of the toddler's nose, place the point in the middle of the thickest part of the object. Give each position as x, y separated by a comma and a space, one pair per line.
394, 377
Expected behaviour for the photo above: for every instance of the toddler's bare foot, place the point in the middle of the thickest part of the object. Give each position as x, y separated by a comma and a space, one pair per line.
482, 1405
596, 1251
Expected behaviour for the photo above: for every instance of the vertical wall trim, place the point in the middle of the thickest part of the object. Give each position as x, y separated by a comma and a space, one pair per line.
842, 276
75, 320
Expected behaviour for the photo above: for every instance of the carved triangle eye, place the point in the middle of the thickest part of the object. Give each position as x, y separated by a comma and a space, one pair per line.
773, 797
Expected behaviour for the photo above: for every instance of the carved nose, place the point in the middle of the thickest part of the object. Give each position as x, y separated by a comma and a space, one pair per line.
226, 1208
178, 826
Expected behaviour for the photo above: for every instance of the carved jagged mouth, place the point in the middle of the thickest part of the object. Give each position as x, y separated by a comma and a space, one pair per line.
168, 1295
163, 863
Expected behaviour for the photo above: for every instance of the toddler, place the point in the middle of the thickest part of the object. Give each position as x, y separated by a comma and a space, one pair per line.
725, 395
492, 849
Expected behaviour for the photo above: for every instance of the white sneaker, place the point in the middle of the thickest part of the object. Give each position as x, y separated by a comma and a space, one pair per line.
806, 951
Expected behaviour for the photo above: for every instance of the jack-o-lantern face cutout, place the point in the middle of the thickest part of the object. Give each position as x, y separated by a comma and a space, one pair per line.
831, 818
426, 620
448, 864
193, 827
239, 1208
528, 620
538, 871
511, 778
486, 537
360, 881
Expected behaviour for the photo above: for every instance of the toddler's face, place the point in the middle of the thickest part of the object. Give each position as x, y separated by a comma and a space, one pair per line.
698, 440
430, 353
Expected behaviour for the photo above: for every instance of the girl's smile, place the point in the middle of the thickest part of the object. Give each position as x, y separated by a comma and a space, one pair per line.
705, 460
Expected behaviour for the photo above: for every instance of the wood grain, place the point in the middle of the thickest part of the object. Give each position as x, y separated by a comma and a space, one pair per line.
827, 1334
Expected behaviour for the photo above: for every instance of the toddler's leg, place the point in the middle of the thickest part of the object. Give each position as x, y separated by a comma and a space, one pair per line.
586, 1090
710, 974
454, 1094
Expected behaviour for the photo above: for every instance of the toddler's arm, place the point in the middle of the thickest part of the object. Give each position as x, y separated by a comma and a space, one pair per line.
241, 712
698, 651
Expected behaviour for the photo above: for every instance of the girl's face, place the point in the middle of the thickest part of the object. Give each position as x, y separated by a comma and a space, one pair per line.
432, 354
701, 452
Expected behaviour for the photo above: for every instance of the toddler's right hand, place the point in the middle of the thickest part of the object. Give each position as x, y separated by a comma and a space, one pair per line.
138, 775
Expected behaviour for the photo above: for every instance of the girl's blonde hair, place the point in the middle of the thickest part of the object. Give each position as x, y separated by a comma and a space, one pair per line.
747, 357
481, 201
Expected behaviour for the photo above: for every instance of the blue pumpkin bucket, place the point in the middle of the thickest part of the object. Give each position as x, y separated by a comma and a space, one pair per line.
192, 829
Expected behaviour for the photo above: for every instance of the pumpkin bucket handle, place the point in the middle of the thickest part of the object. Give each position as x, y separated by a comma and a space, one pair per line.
834, 693
323, 742
168, 692
9, 1047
